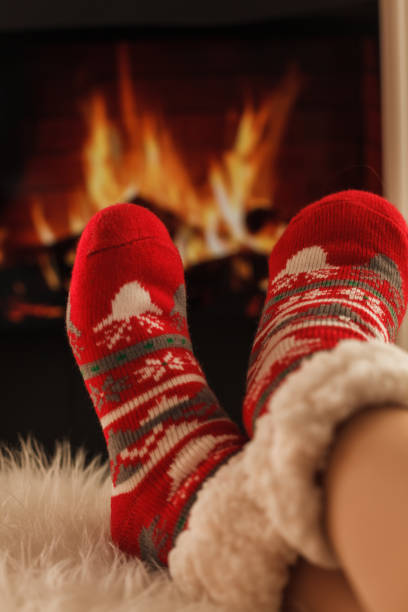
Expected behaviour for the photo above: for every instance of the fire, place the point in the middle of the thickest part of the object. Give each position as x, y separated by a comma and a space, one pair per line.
19, 310
44, 230
137, 157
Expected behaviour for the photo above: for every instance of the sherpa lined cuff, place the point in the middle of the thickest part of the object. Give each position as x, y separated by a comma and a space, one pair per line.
293, 439
230, 552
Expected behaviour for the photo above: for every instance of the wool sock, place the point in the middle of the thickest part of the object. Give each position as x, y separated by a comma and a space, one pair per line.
339, 271
164, 429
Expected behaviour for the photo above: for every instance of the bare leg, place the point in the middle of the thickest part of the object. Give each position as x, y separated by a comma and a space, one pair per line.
367, 503
313, 589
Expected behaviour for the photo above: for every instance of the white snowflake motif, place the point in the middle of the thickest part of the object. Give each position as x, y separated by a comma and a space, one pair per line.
371, 302
150, 322
116, 331
296, 300
155, 367
377, 306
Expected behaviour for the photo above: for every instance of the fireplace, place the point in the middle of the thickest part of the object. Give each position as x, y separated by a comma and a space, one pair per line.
225, 133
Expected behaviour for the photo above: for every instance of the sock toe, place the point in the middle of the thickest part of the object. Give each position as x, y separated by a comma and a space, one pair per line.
127, 272
359, 200
121, 224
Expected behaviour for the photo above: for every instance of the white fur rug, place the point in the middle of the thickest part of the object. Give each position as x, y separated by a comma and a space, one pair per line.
55, 550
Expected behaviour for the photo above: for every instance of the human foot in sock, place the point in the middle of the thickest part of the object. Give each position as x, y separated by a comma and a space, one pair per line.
337, 294
336, 273
126, 322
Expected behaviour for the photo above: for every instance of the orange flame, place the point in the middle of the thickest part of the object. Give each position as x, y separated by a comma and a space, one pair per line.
138, 157
44, 230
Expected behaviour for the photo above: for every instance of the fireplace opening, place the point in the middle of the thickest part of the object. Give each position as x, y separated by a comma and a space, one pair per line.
223, 133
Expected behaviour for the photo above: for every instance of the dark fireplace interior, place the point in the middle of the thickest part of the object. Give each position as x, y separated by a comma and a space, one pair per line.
225, 132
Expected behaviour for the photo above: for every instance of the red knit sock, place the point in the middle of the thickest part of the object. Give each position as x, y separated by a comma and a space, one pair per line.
164, 429
339, 271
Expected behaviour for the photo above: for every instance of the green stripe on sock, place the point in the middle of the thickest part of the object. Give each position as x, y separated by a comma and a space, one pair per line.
89, 370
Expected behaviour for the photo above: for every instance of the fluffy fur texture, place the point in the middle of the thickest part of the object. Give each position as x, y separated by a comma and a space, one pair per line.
231, 549
55, 548
293, 439
271, 490
248, 525
56, 551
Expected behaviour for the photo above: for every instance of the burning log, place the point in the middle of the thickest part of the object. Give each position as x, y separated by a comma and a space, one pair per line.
216, 169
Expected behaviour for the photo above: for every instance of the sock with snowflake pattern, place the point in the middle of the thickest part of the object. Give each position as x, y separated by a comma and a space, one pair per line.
339, 271
164, 429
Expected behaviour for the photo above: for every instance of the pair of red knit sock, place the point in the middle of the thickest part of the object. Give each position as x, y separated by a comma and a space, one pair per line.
340, 271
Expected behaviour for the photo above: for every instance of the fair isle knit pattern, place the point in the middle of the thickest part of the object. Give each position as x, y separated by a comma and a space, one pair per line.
165, 432
339, 271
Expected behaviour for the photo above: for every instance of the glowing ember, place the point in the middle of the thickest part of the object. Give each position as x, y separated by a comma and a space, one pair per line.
18, 311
